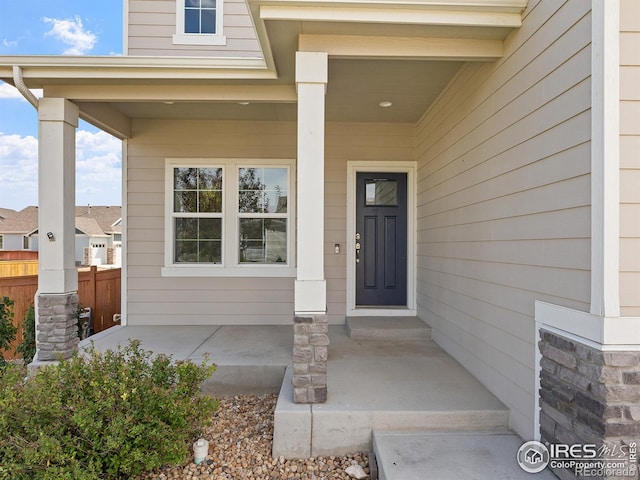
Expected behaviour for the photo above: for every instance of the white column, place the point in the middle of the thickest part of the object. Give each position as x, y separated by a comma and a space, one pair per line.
605, 159
311, 83
58, 120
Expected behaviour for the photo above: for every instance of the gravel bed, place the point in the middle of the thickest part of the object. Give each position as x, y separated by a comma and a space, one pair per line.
240, 448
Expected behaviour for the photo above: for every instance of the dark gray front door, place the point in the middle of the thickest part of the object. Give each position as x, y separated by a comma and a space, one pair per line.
381, 239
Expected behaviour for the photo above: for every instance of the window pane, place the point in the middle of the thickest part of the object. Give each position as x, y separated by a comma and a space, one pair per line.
272, 181
186, 251
185, 202
198, 240
263, 240
208, 21
210, 252
381, 192
192, 3
210, 228
187, 228
191, 21
208, 3
210, 178
210, 201
185, 178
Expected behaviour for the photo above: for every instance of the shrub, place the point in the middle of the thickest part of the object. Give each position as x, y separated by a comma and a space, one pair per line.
101, 415
7, 329
28, 345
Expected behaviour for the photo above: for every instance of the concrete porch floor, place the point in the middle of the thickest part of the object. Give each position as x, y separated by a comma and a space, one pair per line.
374, 386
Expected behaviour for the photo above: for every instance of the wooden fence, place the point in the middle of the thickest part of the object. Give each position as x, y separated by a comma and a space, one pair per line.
18, 268
99, 290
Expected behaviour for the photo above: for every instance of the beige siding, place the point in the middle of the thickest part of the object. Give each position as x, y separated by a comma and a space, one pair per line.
153, 299
152, 23
629, 158
504, 200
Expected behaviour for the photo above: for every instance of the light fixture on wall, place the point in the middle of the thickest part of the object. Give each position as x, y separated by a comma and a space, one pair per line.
51, 236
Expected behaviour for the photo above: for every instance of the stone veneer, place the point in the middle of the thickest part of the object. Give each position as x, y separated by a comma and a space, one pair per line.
310, 351
57, 334
588, 395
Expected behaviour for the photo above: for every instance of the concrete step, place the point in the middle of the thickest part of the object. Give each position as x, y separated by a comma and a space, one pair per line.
481, 455
379, 385
387, 328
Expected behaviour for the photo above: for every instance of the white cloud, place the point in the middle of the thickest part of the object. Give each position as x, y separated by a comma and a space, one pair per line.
9, 43
98, 170
71, 32
9, 91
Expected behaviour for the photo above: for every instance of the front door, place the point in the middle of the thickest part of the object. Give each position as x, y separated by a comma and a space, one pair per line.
381, 239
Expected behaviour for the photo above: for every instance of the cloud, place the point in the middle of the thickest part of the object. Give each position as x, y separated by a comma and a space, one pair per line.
9, 91
98, 170
71, 32
9, 43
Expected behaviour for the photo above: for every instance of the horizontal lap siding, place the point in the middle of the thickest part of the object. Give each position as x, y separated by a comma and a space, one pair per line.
153, 299
629, 158
152, 24
504, 200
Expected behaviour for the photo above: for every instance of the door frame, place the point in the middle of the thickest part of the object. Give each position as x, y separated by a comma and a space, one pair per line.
409, 168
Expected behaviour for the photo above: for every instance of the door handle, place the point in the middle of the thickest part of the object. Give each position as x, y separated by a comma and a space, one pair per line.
357, 252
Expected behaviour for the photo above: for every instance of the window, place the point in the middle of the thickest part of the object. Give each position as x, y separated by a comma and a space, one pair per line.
197, 215
199, 22
229, 219
1, 242
25, 242
117, 237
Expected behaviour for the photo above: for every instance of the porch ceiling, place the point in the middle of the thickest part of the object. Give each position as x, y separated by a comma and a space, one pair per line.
355, 88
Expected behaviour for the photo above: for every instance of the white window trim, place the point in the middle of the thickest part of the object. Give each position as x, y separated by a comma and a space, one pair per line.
230, 266
182, 38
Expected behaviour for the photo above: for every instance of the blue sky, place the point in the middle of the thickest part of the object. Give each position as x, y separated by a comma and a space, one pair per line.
56, 27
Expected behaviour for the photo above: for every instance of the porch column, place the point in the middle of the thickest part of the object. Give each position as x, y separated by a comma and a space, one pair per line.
57, 298
311, 328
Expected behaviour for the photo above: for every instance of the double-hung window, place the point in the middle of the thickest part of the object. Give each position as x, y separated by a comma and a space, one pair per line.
229, 218
199, 22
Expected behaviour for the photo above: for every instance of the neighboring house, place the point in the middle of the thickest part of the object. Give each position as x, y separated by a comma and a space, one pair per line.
4, 214
98, 234
472, 163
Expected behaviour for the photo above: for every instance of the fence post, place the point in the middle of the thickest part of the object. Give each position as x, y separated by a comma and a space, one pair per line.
93, 270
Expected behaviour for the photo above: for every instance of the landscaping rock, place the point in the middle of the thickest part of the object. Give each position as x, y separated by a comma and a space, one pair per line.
240, 442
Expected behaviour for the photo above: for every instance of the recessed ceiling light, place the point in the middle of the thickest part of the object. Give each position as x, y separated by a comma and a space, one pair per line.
385, 104
168, 103
243, 103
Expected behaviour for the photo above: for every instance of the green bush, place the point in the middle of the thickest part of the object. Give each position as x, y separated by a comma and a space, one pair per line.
28, 345
7, 329
101, 415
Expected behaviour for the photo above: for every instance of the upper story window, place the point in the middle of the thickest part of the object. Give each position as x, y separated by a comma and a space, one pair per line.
1, 242
199, 22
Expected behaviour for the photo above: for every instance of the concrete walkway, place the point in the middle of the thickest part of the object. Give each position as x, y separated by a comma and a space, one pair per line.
451, 456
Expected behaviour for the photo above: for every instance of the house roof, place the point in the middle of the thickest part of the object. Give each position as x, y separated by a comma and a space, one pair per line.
6, 213
91, 220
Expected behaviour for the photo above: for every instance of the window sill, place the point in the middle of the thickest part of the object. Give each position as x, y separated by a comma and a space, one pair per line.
199, 39
266, 271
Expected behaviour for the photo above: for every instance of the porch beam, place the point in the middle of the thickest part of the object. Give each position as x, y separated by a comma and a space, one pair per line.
106, 118
57, 122
175, 93
355, 46
311, 83
506, 17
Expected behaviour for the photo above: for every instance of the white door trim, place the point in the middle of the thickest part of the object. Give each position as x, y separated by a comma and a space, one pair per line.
392, 167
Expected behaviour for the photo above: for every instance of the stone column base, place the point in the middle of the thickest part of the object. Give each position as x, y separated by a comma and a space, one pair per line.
57, 332
310, 352
589, 396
